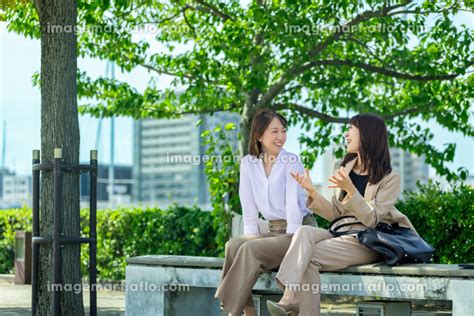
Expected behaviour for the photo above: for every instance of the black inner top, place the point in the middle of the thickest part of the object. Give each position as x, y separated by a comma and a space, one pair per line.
359, 181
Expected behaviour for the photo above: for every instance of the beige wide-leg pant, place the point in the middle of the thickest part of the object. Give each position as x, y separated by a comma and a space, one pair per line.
312, 250
246, 257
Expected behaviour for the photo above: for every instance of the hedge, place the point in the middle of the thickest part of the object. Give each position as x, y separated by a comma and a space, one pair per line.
11, 221
444, 219
124, 233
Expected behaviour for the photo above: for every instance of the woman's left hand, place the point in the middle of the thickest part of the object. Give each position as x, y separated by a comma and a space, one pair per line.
342, 180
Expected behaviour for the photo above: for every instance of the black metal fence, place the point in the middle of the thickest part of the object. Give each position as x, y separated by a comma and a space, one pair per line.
58, 166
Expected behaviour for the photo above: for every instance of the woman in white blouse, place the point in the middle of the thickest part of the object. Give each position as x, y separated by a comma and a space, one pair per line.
266, 187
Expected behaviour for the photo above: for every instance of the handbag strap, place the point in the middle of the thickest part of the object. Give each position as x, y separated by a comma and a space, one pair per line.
335, 231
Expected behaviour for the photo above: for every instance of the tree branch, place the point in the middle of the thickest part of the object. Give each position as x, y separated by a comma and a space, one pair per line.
297, 69
233, 106
381, 70
125, 14
164, 72
157, 22
187, 21
352, 38
208, 8
401, 113
311, 113
453, 6
331, 119
255, 61
190, 77
292, 88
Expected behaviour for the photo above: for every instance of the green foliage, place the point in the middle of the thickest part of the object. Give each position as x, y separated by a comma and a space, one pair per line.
222, 171
445, 219
10, 222
124, 233
319, 61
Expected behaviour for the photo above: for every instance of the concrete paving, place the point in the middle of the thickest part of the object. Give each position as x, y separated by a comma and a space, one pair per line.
16, 300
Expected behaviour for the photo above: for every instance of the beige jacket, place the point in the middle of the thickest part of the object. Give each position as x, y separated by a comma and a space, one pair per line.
377, 204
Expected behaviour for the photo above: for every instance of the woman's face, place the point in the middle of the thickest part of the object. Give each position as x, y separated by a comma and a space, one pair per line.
274, 137
352, 140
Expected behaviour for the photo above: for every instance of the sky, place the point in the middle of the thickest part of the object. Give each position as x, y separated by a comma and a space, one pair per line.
20, 109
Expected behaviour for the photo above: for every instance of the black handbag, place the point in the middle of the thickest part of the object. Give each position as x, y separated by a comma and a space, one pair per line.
395, 243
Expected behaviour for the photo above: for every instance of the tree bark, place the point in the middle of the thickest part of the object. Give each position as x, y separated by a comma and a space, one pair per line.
59, 129
252, 104
245, 124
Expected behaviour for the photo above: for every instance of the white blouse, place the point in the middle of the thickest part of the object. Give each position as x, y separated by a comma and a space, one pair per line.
277, 197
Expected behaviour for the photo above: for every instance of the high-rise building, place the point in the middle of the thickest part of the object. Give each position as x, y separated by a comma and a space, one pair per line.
123, 184
3, 173
167, 157
470, 180
16, 190
328, 163
410, 167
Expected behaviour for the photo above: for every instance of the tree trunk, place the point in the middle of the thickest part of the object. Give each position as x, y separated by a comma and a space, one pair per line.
245, 121
246, 118
251, 103
59, 129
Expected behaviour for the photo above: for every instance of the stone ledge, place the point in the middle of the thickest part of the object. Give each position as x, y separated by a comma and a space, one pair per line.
177, 261
440, 270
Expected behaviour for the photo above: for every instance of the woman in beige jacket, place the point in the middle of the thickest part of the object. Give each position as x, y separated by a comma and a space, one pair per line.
365, 187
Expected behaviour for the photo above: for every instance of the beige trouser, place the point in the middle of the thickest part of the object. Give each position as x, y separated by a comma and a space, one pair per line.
246, 257
312, 250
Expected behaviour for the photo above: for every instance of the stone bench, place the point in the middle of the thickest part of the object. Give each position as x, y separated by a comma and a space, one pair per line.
183, 285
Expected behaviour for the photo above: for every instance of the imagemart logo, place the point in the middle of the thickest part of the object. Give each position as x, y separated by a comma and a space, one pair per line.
142, 286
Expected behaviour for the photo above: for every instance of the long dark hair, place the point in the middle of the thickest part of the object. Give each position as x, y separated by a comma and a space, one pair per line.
373, 149
260, 122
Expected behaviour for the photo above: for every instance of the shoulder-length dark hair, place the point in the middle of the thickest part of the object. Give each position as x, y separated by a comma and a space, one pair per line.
373, 150
260, 122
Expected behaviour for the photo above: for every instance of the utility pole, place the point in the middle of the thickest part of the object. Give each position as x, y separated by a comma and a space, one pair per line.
4, 144
112, 150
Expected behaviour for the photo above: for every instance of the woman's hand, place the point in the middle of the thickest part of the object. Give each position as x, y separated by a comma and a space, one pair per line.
342, 180
304, 181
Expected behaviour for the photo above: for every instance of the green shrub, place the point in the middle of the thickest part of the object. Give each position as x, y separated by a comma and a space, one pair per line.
124, 233
443, 219
222, 175
10, 222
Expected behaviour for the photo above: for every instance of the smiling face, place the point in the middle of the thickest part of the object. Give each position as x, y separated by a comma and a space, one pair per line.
353, 140
274, 137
